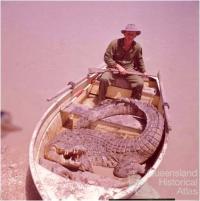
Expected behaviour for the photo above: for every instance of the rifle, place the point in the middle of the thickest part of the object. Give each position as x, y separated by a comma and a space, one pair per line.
115, 71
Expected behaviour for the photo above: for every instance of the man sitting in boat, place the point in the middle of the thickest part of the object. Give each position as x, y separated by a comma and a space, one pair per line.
124, 54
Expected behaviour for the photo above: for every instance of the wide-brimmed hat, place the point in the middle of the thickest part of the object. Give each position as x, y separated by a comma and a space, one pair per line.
132, 28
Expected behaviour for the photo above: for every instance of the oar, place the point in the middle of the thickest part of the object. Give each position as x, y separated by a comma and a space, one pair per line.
71, 85
115, 71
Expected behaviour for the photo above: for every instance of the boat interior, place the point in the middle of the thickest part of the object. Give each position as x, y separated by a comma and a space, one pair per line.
126, 125
84, 97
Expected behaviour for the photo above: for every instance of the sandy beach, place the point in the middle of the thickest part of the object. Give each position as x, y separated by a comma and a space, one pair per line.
44, 45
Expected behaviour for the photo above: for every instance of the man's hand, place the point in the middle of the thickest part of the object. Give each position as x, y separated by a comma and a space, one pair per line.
121, 69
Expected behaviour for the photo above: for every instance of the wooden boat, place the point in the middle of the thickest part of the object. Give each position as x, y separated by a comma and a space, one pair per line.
55, 187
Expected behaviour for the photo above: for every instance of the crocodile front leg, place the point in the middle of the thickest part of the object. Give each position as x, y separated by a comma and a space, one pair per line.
127, 167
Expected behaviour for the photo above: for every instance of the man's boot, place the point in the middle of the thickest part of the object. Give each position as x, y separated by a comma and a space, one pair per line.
103, 85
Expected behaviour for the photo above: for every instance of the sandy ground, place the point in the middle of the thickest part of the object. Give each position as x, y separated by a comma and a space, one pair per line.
47, 44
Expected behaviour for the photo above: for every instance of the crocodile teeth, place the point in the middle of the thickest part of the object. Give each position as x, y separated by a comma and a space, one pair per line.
63, 158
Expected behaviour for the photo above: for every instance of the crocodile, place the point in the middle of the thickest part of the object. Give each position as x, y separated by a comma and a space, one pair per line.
81, 148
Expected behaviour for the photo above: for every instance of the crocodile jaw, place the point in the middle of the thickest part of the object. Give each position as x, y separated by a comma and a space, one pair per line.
74, 158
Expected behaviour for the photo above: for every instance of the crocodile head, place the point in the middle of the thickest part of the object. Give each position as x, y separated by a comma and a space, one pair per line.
73, 158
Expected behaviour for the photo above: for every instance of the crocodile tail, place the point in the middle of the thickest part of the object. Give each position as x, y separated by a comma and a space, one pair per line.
151, 136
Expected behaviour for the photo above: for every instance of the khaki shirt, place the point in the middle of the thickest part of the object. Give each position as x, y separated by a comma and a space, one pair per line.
115, 54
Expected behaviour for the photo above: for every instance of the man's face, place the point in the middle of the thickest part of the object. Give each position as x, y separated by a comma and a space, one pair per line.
130, 35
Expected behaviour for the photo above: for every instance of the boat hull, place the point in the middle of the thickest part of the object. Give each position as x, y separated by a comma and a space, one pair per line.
52, 186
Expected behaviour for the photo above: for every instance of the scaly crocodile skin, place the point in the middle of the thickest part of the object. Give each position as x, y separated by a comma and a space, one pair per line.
81, 148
